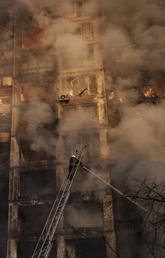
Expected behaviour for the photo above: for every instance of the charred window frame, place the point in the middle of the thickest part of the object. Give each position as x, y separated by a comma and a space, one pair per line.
89, 109
31, 40
38, 184
90, 247
25, 248
36, 61
73, 86
79, 213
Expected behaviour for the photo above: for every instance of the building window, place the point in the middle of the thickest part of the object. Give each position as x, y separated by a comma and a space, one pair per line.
154, 89
36, 62
83, 57
88, 112
93, 247
35, 90
36, 136
7, 81
84, 214
90, 54
80, 85
87, 31
32, 39
38, 183
26, 247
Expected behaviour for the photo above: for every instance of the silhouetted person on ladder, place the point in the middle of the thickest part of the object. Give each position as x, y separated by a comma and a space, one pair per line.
73, 163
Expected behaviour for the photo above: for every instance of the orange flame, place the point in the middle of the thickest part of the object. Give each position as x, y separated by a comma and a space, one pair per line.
148, 92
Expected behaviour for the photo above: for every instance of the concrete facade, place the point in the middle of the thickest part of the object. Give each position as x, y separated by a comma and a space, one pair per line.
34, 175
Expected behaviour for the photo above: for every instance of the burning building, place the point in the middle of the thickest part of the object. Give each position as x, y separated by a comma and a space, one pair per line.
53, 97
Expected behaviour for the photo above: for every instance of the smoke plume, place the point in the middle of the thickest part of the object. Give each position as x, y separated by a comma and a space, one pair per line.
132, 40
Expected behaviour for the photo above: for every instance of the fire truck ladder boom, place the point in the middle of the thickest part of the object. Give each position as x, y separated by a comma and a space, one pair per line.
45, 241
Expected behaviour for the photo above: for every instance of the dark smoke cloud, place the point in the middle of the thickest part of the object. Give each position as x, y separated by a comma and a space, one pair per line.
132, 43
133, 40
133, 52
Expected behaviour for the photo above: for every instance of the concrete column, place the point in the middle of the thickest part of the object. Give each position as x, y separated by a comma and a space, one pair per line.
109, 226
13, 194
14, 153
12, 248
100, 83
110, 246
61, 247
14, 190
15, 111
101, 110
12, 231
13, 220
104, 149
70, 247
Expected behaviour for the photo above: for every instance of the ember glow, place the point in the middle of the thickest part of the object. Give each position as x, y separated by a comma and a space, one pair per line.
148, 93
120, 100
112, 95
33, 39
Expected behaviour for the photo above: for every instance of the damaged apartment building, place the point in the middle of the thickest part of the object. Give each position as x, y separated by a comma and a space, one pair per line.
53, 99
45, 91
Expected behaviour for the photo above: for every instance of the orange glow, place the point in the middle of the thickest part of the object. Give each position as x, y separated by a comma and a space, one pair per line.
155, 88
121, 100
148, 93
4, 137
32, 39
112, 95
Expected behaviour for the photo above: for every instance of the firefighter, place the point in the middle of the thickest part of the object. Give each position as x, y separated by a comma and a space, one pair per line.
72, 166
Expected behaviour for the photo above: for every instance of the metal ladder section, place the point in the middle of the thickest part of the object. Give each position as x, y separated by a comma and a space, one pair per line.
45, 241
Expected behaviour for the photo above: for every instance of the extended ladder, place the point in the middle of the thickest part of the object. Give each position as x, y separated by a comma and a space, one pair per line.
45, 241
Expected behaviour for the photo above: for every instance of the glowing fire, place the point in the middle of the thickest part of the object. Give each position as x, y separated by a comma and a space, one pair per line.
32, 39
121, 100
148, 93
112, 95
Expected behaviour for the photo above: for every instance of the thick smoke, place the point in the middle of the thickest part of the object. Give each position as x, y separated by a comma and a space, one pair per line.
35, 119
132, 44
80, 216
133, 52
140, 142
58, 33
132, 41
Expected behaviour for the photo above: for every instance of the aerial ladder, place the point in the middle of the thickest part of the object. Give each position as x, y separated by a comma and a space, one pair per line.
45, 241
